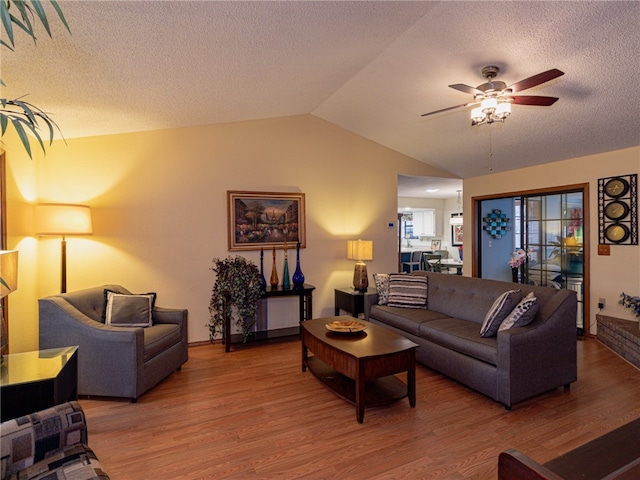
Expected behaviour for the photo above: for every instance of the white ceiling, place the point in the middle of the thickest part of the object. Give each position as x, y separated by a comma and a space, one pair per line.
369, 67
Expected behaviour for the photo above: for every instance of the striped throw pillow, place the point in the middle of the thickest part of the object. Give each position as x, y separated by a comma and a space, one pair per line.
409, 291
501, 307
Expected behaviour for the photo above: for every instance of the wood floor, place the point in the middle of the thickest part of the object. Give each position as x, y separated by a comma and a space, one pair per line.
253, 414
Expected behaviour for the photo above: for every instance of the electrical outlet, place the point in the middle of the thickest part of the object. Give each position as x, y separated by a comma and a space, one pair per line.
601, 303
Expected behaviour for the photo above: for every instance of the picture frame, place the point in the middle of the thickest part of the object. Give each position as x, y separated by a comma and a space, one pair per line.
436, 244
257, 220
456, 235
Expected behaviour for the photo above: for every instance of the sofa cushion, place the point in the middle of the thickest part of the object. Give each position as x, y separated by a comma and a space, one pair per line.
461, 336
78, 462
406, 319
522, 314
50, 443
408, 291
382, 286
159, 338
502, 306
129, 310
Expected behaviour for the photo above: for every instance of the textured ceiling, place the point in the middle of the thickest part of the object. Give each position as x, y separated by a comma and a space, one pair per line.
369, 67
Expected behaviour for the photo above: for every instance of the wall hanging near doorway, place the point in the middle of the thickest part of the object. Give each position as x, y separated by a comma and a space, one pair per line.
496, 224
618, 210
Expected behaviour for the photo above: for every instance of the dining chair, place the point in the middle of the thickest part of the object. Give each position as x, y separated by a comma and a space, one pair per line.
414, 261
433, 262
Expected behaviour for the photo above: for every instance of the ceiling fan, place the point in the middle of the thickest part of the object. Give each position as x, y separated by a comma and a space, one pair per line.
495, 98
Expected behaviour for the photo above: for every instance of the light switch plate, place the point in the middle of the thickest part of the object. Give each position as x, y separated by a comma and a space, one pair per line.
604, 249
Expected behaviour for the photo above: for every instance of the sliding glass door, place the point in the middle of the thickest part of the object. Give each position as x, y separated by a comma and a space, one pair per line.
549, 227
552, 232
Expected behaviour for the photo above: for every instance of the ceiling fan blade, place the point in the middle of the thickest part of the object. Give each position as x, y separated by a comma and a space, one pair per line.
465, 88
535, 80
534, 100
448, 108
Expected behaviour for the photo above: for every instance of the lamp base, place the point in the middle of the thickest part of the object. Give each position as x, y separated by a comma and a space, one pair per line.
360, 277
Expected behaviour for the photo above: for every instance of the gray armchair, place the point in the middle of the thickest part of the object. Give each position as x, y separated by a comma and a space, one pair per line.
113, 361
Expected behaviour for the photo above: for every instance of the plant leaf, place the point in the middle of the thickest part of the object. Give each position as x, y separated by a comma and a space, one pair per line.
26, 14
6, 21
60, 14
3, 122
37, 7
23, 136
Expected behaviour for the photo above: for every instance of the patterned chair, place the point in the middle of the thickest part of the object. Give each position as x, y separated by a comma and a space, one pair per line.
50, 444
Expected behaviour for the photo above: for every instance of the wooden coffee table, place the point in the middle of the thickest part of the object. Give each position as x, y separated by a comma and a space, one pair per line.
360, 367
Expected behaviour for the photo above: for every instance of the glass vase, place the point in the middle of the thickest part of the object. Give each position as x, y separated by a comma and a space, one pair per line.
298, 276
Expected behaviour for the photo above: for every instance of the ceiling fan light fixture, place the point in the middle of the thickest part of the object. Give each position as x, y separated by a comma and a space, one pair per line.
494, 97
490, 110
477, 115
489, 105
503, 110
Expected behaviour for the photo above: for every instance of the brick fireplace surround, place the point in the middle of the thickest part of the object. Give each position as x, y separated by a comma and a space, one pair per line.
621, 336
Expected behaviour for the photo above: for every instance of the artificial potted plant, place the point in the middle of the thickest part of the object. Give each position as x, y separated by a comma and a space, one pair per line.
236, 293
26, 118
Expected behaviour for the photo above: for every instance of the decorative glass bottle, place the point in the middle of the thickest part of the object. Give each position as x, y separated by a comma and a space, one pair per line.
274, 272
298, 276
263, 281
286, 283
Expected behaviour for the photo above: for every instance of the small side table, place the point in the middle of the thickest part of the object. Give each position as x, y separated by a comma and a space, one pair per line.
351, 300
33, 381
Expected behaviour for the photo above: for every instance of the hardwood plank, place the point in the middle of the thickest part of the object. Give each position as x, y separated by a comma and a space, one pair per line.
252, 413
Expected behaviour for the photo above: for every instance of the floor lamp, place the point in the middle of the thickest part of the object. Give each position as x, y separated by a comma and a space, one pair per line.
63, 219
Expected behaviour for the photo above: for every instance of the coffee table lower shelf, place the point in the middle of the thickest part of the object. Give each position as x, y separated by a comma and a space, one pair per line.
377, 392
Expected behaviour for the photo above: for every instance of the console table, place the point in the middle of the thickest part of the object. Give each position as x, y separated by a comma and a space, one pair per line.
305, 312
33, 381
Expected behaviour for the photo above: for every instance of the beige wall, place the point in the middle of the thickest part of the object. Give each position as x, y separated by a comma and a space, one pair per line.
610, 275
159, 210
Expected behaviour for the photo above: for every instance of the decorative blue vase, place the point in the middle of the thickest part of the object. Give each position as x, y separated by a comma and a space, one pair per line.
263, 281
298, 276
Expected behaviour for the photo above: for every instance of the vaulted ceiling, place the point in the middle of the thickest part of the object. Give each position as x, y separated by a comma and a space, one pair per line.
370, 67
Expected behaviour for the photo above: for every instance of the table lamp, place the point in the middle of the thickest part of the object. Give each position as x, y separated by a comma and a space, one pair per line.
360, 250
8, 284
63, 219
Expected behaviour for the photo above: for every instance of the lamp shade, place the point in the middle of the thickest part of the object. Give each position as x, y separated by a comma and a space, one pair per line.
63, 219
8, 272
360, 250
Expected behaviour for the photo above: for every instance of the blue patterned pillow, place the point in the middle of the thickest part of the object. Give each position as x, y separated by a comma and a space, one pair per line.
408, 291
523, 313
382, 285
501, 307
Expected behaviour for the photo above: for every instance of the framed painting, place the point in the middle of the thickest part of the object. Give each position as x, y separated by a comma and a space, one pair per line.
456, 235
265, 220
436, 244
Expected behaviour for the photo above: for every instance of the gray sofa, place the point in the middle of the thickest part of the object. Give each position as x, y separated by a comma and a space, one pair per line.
113, 361
513, 366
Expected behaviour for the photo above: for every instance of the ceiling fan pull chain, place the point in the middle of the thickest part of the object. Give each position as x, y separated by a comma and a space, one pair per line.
490, 151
